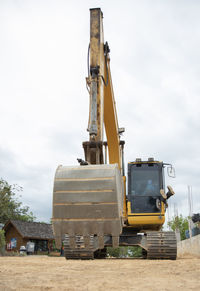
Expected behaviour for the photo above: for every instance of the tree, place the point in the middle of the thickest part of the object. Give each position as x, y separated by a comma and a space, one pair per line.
10, 206
180, 223
2, 242
124, 252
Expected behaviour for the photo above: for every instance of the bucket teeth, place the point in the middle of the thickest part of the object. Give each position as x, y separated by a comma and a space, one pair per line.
87, 203
115, 241
86, 242
83, 247
72, 242
101, 242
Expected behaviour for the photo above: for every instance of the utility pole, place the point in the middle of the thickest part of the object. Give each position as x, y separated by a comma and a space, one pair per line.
190, 206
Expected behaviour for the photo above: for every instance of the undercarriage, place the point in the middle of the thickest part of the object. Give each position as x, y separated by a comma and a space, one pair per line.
155, 245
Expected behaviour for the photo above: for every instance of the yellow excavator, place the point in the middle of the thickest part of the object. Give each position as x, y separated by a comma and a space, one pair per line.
91, 209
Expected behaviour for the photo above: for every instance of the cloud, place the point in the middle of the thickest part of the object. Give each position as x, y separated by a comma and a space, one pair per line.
44, 102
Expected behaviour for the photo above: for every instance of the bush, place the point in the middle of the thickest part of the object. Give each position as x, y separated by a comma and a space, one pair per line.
12, 254
124, 252
179, 223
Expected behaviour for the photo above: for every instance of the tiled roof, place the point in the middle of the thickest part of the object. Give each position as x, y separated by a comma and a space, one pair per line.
32, 229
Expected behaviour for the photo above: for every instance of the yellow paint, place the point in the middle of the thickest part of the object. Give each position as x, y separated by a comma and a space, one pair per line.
124, 204
146, 219
110, 120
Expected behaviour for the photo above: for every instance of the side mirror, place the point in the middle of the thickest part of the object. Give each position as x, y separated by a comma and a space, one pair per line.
171, 172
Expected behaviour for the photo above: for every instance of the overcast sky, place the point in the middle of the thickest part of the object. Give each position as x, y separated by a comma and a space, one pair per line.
155, 65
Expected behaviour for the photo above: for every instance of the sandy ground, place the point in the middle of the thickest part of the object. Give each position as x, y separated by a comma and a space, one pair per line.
56, 273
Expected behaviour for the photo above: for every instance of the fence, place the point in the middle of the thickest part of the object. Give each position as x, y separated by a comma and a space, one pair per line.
190, 246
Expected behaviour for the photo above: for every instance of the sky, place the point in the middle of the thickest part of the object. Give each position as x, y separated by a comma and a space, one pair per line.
44, 104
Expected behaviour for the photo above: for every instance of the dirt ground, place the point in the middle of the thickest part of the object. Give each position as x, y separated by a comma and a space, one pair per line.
56, 273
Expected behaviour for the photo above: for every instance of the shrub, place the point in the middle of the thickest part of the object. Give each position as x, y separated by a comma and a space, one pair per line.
124, 252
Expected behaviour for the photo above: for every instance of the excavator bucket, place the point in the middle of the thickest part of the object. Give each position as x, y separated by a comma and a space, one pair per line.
87, 205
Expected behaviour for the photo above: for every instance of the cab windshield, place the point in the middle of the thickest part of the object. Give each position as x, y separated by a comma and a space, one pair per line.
145, 180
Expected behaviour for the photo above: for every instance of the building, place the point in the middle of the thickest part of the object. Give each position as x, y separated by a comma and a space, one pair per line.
18, 233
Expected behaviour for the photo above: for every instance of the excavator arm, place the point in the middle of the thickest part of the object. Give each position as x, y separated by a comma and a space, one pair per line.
102, 103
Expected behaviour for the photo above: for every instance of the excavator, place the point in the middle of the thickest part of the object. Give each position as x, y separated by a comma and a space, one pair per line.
91, 207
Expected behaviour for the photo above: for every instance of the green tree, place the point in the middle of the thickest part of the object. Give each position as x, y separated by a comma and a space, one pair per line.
180, 223
124, 252
10, 206
135, 251
2, 242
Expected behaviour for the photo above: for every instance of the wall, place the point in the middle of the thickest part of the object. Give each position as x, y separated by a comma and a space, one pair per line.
11, 232
190, 246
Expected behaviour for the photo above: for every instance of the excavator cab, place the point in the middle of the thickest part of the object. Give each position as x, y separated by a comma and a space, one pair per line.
145, 179
146, 199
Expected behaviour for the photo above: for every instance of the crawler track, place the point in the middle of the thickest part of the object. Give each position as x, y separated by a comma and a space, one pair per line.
79, 252
161, 245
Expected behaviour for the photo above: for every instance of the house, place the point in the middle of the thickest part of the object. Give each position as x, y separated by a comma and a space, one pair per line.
18, 233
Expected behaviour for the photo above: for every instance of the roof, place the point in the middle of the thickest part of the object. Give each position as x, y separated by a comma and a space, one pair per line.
32, 230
